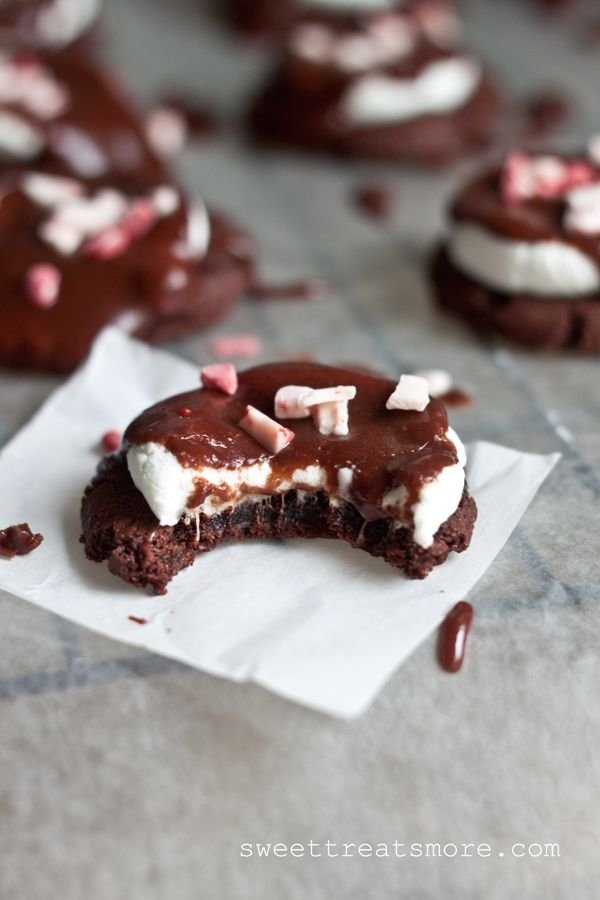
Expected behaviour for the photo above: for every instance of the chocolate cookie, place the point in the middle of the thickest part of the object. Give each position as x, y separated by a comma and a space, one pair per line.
348, 455
521, 258
64, 114
383, 86
75, 259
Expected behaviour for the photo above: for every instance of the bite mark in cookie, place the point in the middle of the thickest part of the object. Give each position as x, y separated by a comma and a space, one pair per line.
391, 481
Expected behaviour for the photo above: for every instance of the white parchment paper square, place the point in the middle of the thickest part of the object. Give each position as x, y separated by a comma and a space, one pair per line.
315, 621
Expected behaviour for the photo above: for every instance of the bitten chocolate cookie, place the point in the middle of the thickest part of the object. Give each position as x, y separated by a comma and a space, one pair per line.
390, 84
64, 114
46, 24
283, 450
74, 259
522, 255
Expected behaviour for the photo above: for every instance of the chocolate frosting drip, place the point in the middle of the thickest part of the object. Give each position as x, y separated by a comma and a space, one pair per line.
96, 113
384, 448
533, 220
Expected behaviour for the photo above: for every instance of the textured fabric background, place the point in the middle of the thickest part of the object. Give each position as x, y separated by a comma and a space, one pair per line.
123, 775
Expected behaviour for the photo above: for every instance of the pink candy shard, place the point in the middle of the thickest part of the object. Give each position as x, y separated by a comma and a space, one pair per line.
236, 345
411, 393
289, 402
331, 417
526, 177
220, 377
266, 431
42, 283
107, 244
111, 441
139, 219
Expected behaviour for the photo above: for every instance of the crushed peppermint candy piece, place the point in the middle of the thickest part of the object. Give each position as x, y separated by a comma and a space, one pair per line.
220, 377
42, 283
438, 381
104, 224
327, 406
411, 393
266, 431
289, 402
165, 199
106, 244
331, 417
583, 210
111, 441
527, 177
139, 218
341, 393
50, 190
166, 131
236, 345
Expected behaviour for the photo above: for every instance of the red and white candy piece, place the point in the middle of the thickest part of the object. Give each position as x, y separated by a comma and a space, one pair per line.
411, 393
50, 190
42, 283
583, 213
438, 381
220, 377
289, 402
331, 417
341, 393
266, 431
328, 406
547, 177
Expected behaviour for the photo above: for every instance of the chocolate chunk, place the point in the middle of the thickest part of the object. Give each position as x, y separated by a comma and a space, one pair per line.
18, 540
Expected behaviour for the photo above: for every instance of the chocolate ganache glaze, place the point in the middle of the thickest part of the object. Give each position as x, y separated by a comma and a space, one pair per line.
75, 259
384, 448
535, 219
64, 114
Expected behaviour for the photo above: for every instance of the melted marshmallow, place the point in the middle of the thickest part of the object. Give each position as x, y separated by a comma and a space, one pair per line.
167, 487
440, 88
547, 268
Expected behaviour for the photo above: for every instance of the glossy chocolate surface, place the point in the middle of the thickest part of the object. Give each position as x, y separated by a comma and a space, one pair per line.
18, 540
538, 219
148, 283
385, 448
97, 136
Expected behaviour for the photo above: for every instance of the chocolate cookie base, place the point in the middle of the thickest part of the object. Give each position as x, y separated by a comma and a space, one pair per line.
214, 286
280, 118
544, 323
119, 526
